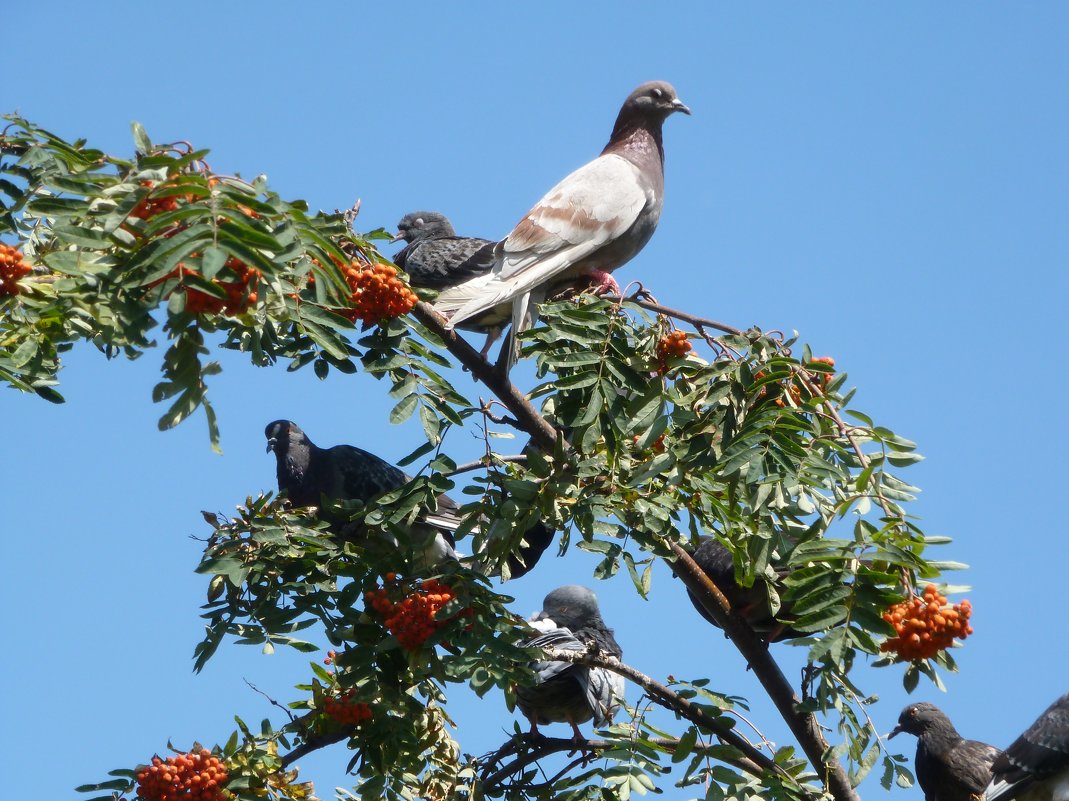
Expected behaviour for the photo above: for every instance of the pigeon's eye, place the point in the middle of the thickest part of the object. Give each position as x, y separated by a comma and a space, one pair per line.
418, 222
657, 93
913, 711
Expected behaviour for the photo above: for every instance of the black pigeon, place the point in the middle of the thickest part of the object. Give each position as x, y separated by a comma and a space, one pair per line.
590, 223
567, 693
435, 257
949, 768
309, 475
1036, 766
751, 603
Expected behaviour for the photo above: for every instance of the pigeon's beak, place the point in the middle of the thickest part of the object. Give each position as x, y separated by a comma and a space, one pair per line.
679, 105
399, 236
894, 731
271, 443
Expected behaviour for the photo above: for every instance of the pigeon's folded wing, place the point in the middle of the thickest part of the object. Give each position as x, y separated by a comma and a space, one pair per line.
593, 206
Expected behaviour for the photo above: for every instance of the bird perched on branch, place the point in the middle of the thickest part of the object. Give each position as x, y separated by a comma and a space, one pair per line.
565, 692
590, 223
753, 603
434, 256
949, 767
1036, 766
309, 475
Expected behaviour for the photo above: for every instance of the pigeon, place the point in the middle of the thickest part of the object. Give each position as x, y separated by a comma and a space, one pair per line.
592, 222
1036, 766
949, 768
751, 603
435, 257
565, 692
309, 475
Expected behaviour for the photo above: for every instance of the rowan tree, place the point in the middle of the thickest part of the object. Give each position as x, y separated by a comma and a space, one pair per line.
649, 428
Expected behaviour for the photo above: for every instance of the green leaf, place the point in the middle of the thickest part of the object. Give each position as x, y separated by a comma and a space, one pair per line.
403, 410
141, 140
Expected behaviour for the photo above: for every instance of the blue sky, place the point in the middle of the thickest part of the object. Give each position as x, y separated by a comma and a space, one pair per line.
890, 181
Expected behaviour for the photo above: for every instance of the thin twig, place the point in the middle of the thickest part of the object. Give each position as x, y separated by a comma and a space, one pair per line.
467, 467
273, 702
686, 317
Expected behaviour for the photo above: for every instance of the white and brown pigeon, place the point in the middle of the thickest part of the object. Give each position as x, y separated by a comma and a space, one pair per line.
949, 767
592, 222
565, 692
1036, 766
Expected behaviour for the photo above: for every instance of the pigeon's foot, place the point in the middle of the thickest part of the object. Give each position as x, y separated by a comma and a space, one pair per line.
602, 283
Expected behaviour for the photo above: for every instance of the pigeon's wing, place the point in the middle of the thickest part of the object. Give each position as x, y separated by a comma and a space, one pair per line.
967, 768
446, 261
604, 689
355, 474
555, 638
604, 693
1041, 751
590, 208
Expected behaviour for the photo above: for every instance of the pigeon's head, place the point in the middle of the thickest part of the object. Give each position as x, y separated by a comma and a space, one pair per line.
281, 433
656, 99
571, 606
919, 718
423, 225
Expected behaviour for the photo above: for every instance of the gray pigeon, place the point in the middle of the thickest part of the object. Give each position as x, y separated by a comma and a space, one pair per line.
750, 603
1036, 766
949, 767
309, 475
435, 257
567, 693
592, 222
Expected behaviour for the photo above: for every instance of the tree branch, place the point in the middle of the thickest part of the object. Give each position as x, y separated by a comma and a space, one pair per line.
755, 761
540, 429
803, 725
693, 319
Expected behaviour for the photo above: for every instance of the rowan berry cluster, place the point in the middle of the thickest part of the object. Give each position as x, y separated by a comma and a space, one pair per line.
345, 710
413, 618
672, 344
237, 279
926, 625
377, 292
148, 207
196, 776
12, 268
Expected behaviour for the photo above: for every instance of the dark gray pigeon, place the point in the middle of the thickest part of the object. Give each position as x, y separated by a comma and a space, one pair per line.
592, 222
949, 767
565, 693
435, 257
1036, 766
751, 603
309, 475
